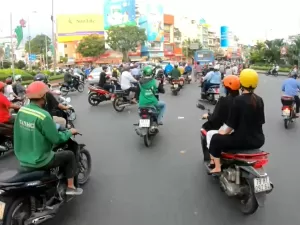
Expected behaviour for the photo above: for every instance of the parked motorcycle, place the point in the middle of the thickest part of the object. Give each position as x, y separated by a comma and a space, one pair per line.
288, 110
77, 86
243, 175
147, 127
43, 192
97, 95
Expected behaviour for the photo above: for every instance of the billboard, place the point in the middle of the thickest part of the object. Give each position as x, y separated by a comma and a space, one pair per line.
119, 13
152, 20
75, 27
224, 37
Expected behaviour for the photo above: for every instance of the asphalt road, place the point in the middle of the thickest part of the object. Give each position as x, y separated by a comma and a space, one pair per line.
166, 184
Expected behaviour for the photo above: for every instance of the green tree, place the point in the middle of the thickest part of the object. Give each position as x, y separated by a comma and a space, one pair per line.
125, 39
189, 53
20, 64
63, 59
257, 53
2, 53
38, 44
272, 51
294, 52
91, 46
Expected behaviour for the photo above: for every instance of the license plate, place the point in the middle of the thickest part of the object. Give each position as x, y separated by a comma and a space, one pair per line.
2, 208
286, 112
217, 97
144, 123
262, 184
175, 85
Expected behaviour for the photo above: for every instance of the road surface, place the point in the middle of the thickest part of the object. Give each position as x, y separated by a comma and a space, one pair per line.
167, 184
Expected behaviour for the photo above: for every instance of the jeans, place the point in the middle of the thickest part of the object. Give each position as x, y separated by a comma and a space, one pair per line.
162, 109
109, 87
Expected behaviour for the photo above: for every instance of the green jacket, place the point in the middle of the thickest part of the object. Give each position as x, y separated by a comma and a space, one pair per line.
35, 134
148, 89
175, 74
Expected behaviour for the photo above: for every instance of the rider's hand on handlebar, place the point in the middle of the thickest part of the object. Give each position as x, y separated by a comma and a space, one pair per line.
73, 131
205, 116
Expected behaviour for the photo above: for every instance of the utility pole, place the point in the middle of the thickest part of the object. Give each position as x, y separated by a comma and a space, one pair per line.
53, 39
12, 47
46, 53
29, 44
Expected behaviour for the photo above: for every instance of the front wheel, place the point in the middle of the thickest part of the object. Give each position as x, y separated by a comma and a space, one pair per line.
80, 88
64, 90
92, 99
18, 212
249, 204
147, 140
116, 104
85, 166
175, 92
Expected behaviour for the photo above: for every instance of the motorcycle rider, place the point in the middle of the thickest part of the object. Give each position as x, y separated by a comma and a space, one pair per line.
212, 78
168, 69
9, 91
188, 69
147, 90
68, 78
52, 106
35, 134
5, 105
103, 81
115, 72
126, 82
18, 88
290, 87
175, 73
245, 119
218, 118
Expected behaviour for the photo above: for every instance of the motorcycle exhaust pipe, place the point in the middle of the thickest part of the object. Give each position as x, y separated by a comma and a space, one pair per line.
41, 219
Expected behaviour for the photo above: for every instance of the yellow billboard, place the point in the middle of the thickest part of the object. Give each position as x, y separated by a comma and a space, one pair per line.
75, 27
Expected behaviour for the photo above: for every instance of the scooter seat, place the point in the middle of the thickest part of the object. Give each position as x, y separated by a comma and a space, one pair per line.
14, 176
152, 108
244, 152
287, 98
214, 86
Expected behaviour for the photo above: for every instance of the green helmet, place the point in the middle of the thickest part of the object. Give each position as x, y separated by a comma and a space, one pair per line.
147, 71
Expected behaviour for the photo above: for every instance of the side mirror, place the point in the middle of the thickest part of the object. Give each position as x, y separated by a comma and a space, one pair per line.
200, 106
68, 100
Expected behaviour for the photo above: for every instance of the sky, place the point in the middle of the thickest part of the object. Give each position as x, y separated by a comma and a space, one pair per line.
249, 19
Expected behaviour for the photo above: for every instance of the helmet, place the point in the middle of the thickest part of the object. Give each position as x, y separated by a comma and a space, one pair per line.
9, 80
40, 77
216, 67
18, 77
232, 82
2, 85
210, 64
36, 90
104, 67
249, 78
147, 71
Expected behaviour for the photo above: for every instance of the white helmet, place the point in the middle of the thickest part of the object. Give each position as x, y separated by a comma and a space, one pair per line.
18, 77
210, 64
216, 67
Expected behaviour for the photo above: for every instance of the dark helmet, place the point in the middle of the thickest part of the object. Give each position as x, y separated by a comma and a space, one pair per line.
176, 66
41, 77
9, 80
104, 68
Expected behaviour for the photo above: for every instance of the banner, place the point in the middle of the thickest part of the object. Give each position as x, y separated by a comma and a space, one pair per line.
75, 27
224, 37
119, 13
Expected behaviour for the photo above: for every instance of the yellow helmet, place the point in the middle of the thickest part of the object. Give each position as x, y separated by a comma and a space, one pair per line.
249, 78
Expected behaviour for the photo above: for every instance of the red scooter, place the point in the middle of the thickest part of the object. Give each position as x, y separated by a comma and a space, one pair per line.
98, 94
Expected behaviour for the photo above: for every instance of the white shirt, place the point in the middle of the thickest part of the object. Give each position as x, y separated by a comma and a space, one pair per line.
9, 92
126, 80
234, 70
208, 76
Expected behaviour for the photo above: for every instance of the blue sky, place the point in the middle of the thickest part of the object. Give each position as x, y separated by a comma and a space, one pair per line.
249, 19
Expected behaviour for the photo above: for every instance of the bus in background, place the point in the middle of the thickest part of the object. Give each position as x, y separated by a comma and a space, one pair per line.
204, 57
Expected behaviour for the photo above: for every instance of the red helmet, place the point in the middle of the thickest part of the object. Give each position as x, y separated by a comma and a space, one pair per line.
9, 80
2, 85
36, 90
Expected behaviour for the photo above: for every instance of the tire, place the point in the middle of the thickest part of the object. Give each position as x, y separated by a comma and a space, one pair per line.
189, 81
174, 93
64, 90
147, 140
91, 101
85, 170
286, 123
115, 104
13, 212
80, 88
250, 205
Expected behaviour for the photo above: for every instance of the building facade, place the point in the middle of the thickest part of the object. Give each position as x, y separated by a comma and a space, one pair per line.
168, 36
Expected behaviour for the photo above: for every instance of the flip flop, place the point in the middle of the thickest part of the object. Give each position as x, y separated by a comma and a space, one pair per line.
217, 174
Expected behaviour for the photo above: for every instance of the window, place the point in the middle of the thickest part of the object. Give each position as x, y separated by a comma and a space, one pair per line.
167, 28
66, 55
66, 45
169, 48
155, 44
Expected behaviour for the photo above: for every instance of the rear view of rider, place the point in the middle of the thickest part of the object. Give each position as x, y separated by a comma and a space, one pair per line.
5, 106
147, 89
290, 88
9, 91
212, 78
175, 73
68, 78
126, 82
168, 69
35, 134
18, 88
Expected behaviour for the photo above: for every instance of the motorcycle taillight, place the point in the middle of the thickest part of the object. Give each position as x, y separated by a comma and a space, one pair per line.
144, 116
285, 107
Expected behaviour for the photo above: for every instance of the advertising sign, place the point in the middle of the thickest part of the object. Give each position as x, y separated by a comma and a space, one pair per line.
119, 13
224, 37
75, 27
152, 20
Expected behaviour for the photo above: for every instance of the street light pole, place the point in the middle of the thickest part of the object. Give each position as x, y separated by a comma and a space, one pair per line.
53, 39
12, 47
46, 49
29, 44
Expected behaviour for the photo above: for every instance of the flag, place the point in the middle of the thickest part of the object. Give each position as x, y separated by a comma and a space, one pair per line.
19, 35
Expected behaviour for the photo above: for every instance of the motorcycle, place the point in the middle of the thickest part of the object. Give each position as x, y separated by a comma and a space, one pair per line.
288, 110
148, 125
43, 192
77, 86
121, 100
243, 175
212, 95
176, 85
274, 72
97, 95
6, 138
187, 77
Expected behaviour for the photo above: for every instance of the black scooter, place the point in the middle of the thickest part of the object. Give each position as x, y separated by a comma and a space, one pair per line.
35, 196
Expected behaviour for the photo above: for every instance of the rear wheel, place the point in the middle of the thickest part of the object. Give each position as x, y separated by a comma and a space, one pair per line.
249, 204
64, 90
286, 123
85, 166
18, 212
80, 88
92, 99
175, 93
116, 104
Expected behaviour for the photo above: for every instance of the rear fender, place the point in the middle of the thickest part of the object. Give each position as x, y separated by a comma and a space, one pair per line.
250, 173
144, 131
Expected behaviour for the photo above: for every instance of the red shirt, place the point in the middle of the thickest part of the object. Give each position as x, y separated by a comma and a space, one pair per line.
4, 109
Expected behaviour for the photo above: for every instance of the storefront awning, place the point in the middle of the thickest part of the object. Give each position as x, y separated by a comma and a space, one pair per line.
135, 58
